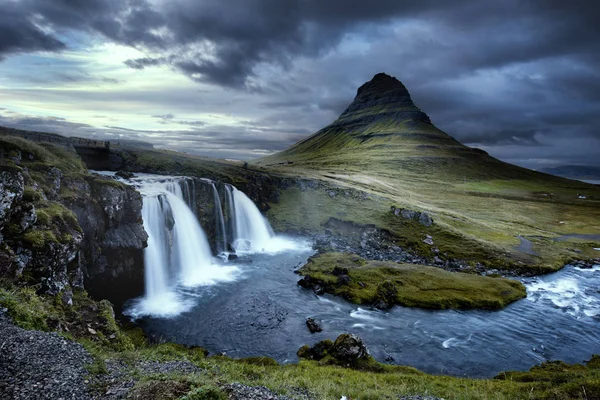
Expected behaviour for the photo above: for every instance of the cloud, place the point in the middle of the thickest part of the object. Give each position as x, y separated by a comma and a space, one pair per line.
504, 75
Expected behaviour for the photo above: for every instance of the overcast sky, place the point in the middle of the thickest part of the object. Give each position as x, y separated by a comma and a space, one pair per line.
245, 78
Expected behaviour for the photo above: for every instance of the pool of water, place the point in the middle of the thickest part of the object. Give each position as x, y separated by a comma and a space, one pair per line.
263, 312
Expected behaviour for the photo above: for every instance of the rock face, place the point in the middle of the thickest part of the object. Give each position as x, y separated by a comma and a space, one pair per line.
12, 185
421, 217
109, 214
63, 229
384, 90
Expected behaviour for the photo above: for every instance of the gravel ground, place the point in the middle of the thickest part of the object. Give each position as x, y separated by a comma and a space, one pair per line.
40, 365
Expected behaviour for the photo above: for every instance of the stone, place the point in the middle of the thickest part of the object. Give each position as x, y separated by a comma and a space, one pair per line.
425, 220
408, 214
349, 348
386, 294
343, 280
428, 240
313, 325
29, 217
125, 174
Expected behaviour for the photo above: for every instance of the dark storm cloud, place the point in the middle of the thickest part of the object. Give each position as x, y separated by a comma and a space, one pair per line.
522, 73
20, 34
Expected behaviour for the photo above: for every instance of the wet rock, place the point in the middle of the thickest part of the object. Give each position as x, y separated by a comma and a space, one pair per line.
125, 174
313, 325
242, 245
349, 348
386, 295
232, 256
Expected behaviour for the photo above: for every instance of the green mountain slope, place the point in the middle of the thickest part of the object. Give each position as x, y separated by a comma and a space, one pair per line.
386, 146
383, 132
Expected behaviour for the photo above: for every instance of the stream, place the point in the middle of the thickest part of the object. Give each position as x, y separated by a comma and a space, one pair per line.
262, 312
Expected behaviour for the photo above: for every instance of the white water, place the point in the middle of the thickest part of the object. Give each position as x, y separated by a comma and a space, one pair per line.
178, 254
220, 220
252, 231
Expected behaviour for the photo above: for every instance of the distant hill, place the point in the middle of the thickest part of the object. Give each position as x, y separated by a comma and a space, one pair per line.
67, 140
581, 172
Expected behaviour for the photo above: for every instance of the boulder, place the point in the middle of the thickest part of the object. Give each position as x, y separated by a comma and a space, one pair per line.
349, 348
386, 294
421, 217
313, 325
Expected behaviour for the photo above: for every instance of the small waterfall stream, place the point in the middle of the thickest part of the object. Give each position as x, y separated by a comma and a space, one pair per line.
220, 220
252, 231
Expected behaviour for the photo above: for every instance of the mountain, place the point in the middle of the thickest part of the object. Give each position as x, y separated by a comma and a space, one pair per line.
583, 172
383, 132
383, 145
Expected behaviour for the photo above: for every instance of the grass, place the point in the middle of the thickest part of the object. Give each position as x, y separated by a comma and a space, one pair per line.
323, 380
480, 204
373, 282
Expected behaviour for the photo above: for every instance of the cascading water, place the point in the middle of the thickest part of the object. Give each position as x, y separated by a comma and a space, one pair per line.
230, 214
252, 231
178, 252
220, 220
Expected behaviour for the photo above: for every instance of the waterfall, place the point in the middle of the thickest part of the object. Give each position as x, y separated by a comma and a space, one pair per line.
178, 252
221, 233
155, 255
230, 213
252, 231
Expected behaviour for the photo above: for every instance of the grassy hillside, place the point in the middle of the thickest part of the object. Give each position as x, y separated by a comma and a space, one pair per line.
384, 145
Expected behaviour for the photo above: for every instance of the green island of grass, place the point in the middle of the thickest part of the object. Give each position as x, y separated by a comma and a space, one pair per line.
385, 284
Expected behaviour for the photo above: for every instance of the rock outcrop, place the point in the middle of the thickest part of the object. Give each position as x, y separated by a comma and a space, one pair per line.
348, 350
109, 214
64, 229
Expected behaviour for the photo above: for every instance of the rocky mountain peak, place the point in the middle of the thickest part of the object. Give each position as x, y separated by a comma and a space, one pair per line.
387, 91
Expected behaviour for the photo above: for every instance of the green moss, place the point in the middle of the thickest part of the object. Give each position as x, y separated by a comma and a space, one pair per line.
38, 239
388, 283
30, 194
52, 212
